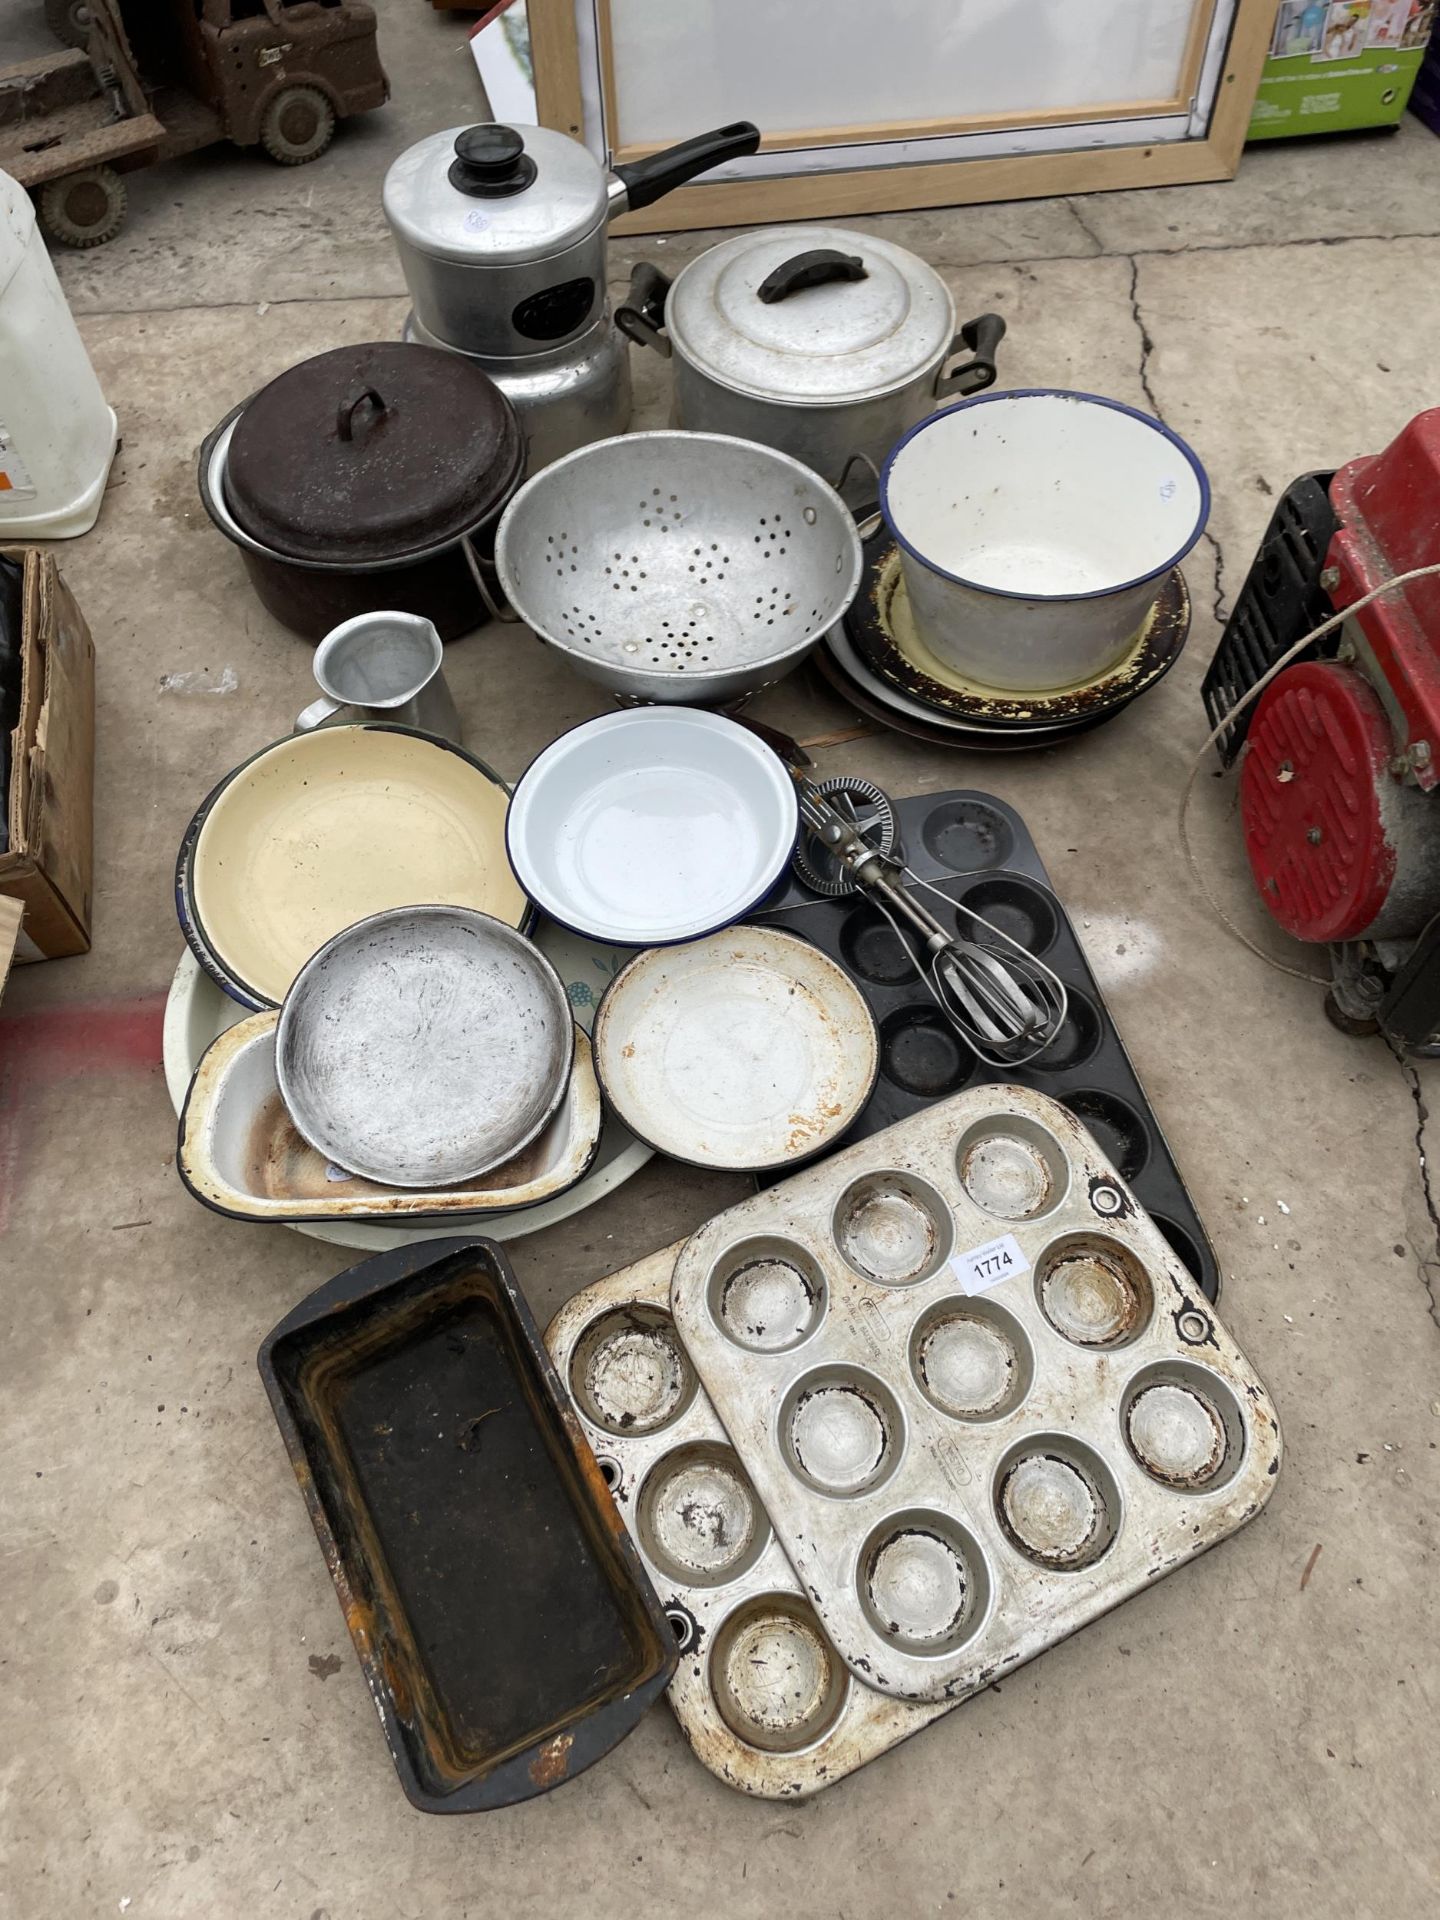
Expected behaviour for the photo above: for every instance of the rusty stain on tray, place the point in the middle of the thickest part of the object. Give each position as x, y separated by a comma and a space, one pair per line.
548, 1767
379, 1397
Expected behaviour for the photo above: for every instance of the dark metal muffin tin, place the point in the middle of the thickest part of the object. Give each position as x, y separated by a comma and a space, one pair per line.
977, 850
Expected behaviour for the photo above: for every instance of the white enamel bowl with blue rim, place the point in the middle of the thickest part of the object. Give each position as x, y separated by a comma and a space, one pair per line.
652, 826
1036, 529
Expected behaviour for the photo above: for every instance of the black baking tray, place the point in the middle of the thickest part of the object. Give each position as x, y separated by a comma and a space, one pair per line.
975, 848
503, 1619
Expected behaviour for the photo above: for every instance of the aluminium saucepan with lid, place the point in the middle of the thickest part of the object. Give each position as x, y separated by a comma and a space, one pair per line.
501, 236
818, 341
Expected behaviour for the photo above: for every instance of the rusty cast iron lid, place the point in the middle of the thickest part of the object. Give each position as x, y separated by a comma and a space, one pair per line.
372, 453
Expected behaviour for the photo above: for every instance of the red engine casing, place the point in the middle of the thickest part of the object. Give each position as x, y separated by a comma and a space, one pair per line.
1337, 800
1340, 849
1388, 505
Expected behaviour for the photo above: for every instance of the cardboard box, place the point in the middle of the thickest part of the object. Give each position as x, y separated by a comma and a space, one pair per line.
1337, 65
11, 914
49, 865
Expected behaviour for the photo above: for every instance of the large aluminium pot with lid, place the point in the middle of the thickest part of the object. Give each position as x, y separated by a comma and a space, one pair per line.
368, 478
818, 341
501, 235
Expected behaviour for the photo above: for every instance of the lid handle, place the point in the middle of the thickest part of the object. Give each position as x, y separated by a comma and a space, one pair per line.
817, 268
490, 162
648, 180
347, 410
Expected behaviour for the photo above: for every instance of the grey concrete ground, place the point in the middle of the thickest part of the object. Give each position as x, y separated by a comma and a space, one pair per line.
179, 1740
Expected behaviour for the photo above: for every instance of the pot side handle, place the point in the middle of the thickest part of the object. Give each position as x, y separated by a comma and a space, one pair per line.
500, 609
642, 318
982, 336
645, 181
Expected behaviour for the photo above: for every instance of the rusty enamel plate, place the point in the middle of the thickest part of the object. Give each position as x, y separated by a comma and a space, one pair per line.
748, 1050
884, 635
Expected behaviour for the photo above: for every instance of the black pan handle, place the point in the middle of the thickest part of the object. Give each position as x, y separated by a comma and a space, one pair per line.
982, 336
345, 414
648, 180
817, 268
642, 318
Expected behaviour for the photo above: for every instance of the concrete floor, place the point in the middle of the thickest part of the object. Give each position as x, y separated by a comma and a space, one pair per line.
1239, 1739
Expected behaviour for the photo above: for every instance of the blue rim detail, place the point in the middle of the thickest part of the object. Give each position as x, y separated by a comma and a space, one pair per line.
1186, 451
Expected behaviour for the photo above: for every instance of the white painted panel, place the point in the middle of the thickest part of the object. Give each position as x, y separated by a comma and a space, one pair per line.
797, 65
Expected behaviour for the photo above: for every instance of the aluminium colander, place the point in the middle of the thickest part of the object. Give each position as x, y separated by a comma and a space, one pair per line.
679, 566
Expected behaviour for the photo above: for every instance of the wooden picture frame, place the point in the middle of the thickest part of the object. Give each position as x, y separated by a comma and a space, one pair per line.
1214, 154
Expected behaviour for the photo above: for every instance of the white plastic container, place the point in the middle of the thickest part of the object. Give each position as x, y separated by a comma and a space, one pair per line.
57, 435
1036, 530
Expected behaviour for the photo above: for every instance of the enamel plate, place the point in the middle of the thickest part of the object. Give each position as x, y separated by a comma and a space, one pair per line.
749, 1050
652, 826
323, 829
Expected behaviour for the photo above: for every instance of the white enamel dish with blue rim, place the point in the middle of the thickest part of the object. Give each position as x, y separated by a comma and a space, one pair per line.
652, 826
1036, 530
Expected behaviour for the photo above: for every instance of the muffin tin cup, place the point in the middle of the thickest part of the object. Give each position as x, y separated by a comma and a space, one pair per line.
1116, 1429
763, 1698
977, 850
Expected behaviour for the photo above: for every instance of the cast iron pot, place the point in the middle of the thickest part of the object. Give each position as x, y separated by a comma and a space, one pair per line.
365, 479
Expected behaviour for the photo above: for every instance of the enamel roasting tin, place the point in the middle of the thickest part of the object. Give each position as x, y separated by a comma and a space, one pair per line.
508, 1643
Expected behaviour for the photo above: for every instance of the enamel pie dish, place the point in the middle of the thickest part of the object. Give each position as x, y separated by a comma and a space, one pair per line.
748, 1050
652, 826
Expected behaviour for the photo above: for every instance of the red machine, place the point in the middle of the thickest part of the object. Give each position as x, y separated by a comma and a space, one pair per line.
1338, 797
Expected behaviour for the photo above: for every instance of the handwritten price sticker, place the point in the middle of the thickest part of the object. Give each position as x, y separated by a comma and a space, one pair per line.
985, 1267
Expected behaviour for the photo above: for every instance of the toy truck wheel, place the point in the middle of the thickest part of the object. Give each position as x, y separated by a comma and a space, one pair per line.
68, 20
298, 125
84, 209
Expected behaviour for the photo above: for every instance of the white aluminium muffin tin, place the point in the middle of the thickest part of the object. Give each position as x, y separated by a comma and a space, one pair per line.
978, 1396
1066, 1434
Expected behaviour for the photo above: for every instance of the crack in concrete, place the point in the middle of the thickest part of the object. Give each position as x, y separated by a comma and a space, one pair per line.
1085, 227
1147, 349
1147, 343
1429, 1264
1217, 589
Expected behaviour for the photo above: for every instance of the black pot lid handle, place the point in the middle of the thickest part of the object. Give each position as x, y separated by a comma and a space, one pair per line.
346, 411
490, 163
817, 268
